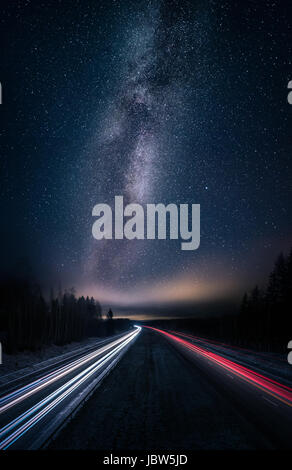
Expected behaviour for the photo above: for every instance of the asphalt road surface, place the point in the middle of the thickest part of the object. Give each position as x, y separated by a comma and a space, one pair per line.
172, 392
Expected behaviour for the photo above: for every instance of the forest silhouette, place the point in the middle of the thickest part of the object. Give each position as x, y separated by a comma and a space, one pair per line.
28, 321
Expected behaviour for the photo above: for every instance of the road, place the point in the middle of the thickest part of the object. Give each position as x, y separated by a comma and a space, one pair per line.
172, 391
165, 395
258, 386
35, 406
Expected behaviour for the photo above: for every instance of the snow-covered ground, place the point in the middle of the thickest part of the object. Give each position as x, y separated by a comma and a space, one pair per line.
27, 359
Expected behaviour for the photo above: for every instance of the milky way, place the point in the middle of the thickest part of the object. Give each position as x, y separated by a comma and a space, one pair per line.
134, 144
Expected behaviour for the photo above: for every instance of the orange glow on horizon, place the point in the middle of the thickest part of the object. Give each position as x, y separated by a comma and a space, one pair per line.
183, 289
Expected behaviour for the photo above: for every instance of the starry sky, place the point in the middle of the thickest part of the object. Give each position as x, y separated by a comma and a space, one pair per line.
159, 101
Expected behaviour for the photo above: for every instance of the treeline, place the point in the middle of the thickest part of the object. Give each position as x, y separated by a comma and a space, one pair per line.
265, 317
262, 322
27, 321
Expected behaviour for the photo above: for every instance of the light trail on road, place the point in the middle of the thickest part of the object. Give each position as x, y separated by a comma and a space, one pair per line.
272, 387
25, 421
225, 346
11, 399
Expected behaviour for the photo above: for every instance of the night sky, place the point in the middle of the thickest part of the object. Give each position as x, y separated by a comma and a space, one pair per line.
158, 101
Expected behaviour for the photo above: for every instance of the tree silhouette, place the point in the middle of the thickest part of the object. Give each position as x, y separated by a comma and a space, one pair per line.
27, 321
110, 314
265, 318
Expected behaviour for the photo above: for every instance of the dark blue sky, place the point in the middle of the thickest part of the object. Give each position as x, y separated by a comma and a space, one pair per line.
159, 101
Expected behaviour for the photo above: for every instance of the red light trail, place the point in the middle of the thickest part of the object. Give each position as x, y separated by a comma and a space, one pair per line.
276, 389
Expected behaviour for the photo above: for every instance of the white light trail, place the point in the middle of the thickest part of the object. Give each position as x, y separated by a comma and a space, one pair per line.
28, 419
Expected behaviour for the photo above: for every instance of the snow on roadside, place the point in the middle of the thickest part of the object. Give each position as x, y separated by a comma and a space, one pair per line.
22, 360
